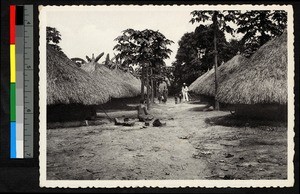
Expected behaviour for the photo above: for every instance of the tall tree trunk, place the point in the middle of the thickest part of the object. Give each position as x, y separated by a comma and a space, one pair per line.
148, 88
216, 59
262, 30
152, 86
155, 88
143, 83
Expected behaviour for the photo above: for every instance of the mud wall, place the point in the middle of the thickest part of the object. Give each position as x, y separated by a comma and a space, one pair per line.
70, 112
262, 111
79, 112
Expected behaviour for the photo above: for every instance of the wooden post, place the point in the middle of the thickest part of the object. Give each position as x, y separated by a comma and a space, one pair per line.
143, 83
152, 86
155, 88
216, 59
148, 88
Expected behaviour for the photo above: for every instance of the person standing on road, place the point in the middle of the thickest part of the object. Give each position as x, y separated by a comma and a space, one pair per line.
162, 92
165, 94
185, 94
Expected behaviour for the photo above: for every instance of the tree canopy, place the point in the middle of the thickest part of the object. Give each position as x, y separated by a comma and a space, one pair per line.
259, 26
146, 47
53, 37
188, 66
221, 18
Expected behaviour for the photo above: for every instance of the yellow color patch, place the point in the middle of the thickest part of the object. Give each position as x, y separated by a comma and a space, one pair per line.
12, 63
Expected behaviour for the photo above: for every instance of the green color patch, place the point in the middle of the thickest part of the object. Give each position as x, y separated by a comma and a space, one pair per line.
12, 102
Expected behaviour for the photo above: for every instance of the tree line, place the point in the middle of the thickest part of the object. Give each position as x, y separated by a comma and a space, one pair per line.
257, 28
207, 46
144, 51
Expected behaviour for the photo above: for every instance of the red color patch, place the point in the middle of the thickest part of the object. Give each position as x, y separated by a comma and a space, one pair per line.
12, 19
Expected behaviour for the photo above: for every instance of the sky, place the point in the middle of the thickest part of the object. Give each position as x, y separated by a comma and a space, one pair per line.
92, 29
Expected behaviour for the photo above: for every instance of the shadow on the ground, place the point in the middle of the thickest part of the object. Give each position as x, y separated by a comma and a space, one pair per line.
202, 106
235, 121
111, 114
71, 124
198, 108
197, 102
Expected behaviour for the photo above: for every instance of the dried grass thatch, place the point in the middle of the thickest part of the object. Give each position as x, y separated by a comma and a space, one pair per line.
263, 80
205, 84
121, 84
199, 81
134, 82
68, 84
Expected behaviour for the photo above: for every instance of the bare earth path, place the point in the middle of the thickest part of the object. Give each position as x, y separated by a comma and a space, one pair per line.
186, 148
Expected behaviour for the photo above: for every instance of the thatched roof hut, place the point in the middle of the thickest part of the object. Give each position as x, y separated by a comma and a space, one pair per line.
68, 84
205, 84
72, 92
263, 80
194, 86
259, 90
129, 78
121, 84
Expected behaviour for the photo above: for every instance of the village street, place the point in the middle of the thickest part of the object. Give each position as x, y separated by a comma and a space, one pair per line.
190, 146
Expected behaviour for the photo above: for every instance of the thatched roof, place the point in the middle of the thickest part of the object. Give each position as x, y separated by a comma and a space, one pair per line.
129, 78
121, 84
67, 83
205, 84
194, 87
263, 80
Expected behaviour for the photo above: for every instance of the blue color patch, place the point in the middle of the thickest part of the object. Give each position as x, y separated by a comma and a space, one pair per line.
13, 140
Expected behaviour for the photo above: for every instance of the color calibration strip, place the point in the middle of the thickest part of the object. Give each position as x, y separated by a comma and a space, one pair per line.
21, 81
13, 130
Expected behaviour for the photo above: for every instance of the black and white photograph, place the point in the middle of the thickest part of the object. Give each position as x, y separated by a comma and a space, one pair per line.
166, 96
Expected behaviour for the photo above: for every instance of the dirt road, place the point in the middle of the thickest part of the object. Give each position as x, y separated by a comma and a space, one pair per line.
192, 145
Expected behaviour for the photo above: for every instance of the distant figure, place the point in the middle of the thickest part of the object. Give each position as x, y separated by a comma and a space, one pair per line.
162, 92
178, 97
165, 95
185, 93
159, 97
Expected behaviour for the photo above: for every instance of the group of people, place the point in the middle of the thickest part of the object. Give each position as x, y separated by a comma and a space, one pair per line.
143, 114
183, 95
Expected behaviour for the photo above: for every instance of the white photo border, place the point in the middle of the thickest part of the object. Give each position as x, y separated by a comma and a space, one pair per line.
289, 182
